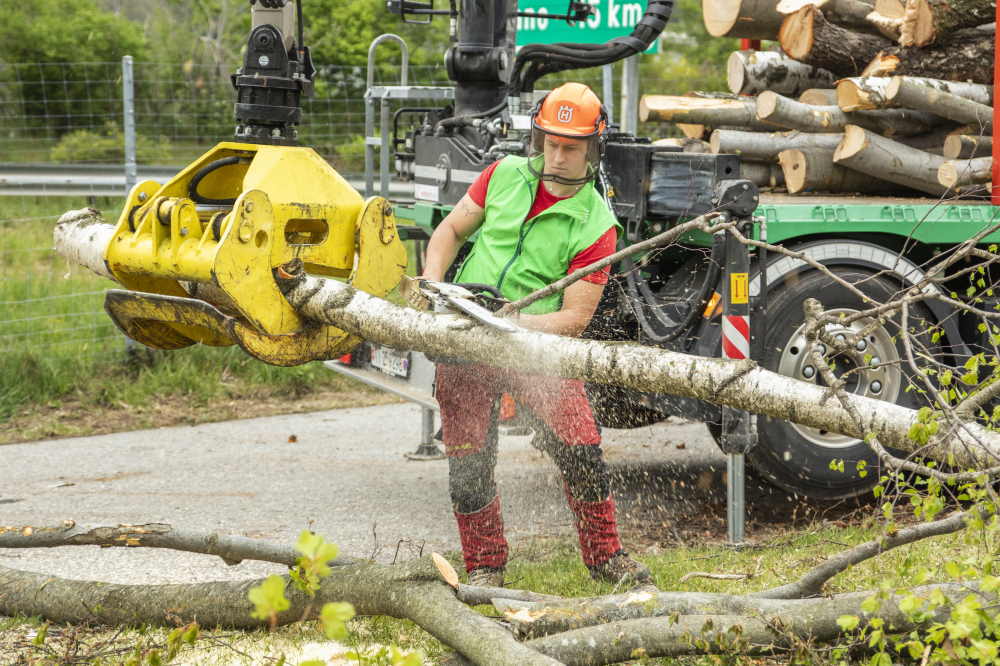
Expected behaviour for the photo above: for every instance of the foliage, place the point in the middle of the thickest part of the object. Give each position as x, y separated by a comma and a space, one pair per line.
107, 146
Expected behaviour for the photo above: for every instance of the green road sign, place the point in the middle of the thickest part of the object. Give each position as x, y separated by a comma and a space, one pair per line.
611, 18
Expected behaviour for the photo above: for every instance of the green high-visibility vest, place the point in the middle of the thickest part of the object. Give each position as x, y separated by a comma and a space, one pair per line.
519, 255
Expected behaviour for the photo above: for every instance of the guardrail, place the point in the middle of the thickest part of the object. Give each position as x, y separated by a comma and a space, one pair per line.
108, 180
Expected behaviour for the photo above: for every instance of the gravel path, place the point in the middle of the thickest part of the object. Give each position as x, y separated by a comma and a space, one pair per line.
344, 476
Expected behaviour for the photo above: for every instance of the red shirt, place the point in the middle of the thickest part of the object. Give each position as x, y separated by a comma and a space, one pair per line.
602, 247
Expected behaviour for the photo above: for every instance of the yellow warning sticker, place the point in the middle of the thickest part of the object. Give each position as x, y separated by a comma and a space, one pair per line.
739, 291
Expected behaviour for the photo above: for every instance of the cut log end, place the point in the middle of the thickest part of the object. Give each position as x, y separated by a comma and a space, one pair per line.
793, 165
692, 131
736, 71
850, 97
796, 34
448, 573
948, 174
819, 97
854, 142
767, 102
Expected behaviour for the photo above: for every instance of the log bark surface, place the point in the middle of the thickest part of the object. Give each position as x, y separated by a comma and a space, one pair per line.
780, 110
749, 19
761, 146
890, 160
906, 92
960, 57
808, 37
967, 146
932, 20
752, 72
871, 92
701, 111
815, 171
961, 173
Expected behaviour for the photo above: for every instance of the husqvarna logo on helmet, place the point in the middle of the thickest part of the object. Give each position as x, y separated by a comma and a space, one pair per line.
565, 113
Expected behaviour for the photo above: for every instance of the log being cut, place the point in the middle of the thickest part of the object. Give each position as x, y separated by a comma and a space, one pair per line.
752, 72
766, 146
808, 37
890, 160
779, 110
870, 92
749, 19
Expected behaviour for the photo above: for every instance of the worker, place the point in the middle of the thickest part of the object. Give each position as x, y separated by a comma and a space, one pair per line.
539, 218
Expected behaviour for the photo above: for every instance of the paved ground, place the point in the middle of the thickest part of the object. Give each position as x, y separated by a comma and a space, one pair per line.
345, 477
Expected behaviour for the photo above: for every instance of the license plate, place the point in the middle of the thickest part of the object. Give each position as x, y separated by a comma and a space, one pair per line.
391, 361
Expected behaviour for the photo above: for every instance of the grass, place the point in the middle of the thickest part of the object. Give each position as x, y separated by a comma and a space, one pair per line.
553, 566
63, 363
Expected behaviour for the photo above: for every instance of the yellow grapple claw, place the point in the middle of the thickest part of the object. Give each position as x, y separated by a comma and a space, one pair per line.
196, 255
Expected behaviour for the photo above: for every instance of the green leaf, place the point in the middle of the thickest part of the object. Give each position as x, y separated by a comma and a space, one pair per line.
970, 378
848, 622
870, 605
334, 617
945, 378
268, 598
398, 658
43, 631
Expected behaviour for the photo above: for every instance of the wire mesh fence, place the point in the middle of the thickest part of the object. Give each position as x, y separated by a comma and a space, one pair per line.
72, 112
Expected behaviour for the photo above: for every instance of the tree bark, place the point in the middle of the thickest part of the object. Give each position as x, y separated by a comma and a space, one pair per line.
412, 591
862, 93
762, 174
752, 72
814, 171
749, 19
962, 173
751, 635
960, 57
890, 160
906, 92
701, 111
930, 20
760, 146
853, 14
808, 37
967, 146
779, 110
819, 97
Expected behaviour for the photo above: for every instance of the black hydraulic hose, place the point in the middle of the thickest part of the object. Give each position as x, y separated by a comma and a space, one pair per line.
204, 171
708, 285
536, 60
302, 42
469, 117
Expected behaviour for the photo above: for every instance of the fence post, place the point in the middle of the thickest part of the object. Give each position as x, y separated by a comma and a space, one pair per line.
128, 121
128, 115
608, 90
630, 94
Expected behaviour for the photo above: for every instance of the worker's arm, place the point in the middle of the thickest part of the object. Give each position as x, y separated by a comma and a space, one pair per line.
463, 221
579, 303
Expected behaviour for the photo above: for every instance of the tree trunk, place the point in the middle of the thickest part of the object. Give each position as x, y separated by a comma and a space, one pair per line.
808, 37
869, 92
815, 171
761, 146
779, 110
912, 94
762, 174
412, 591
962, 173
930, 20
853, 14
752, 72
967, 146
819, 97
890, 160
961, 57
701, 111
749, 19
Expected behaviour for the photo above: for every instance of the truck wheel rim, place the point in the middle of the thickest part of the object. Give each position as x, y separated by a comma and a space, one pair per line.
879, 378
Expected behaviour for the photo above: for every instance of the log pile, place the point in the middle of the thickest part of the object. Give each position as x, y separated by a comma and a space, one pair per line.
871, 97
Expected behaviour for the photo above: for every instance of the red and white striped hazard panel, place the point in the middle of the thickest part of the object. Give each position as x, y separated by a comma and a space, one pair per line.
736, 336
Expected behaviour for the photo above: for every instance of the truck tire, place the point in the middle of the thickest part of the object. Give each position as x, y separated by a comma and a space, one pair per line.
798, 458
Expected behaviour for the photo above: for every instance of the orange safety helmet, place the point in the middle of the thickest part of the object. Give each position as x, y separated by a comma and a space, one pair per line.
572, 110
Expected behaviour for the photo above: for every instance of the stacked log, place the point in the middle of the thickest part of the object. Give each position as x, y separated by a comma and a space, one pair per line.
865, 96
